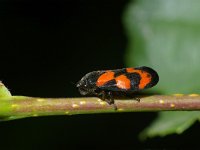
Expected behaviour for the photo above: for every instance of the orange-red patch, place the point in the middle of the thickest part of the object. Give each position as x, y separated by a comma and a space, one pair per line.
145, 77
130, 70
123, 82
107, 76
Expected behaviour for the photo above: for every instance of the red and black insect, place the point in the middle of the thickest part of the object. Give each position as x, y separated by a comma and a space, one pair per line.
126, 81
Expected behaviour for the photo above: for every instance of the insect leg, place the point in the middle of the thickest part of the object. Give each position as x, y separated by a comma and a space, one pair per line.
108, 97
132, 96
102, 94
136, 98
110, 100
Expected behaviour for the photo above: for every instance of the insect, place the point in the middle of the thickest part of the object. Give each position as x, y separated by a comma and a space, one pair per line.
126, 81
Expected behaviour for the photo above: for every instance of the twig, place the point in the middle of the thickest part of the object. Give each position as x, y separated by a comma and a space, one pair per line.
15, 107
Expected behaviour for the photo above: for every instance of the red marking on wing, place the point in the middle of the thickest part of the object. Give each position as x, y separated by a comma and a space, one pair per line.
123, 82
145, 76
104, 78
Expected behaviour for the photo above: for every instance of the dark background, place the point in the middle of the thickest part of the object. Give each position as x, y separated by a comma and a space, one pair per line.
45, 48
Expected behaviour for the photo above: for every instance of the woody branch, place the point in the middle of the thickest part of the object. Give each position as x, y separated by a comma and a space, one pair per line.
15, 107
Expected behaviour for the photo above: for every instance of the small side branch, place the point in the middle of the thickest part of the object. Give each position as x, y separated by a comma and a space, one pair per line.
15, 107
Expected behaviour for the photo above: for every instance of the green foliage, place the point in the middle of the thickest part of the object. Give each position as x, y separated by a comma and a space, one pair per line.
170, 122
165, 35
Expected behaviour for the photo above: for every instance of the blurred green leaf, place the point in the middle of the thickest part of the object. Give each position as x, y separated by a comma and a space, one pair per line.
170, 122
165, 35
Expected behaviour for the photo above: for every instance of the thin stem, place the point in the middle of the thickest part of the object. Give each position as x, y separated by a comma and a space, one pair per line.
15, 107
